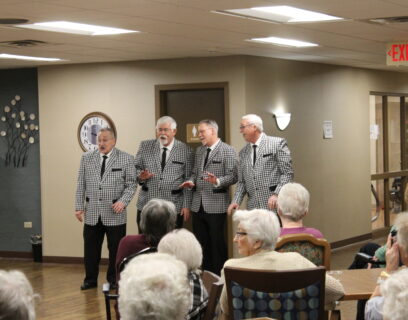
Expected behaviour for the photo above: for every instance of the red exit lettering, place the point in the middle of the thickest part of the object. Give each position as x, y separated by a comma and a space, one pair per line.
398, 52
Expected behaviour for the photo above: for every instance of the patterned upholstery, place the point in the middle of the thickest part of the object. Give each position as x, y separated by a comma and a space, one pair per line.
315, 250
298, 304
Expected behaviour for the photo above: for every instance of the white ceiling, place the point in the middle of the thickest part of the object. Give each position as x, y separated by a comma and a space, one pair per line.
188, 28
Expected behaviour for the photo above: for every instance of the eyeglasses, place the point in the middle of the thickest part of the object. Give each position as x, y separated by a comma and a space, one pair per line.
240, 234
165, 130
247, 125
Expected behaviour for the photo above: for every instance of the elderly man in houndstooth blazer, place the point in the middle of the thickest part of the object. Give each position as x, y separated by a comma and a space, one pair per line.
215, 169
265, 165
106, 185
162, 165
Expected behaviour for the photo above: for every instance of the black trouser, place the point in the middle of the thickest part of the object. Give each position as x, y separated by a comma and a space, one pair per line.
179, 221
93, 240
209, 230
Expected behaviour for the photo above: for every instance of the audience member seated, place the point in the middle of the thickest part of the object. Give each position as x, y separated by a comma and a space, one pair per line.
293, 205
158, 217
257, 233
154, 287
16, 296
182, 244
392, 292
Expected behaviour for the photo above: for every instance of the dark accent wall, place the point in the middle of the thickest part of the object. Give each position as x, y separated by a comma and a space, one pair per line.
20, 189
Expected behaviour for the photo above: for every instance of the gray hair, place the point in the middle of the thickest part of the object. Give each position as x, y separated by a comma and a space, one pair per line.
210, 123
255, 120
293, 201
401, 224
182, 244
158, 217
167, 119
110, 130
395, 293
260, 225
154, 287
16, 296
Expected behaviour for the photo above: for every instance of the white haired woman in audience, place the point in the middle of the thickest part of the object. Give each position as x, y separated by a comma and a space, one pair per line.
390, 297
293, 205
257, 233
16, 296
184, 246
154, 287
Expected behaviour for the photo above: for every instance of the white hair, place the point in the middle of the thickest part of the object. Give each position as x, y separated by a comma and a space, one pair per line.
210, 123
16, 296
293, 201
167, 119
395, 292
255, 120
154, 287
401, 224
184, 246
259, 224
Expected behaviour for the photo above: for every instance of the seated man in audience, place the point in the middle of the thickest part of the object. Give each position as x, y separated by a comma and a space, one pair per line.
16, 296
182, 244
257, 233
379, 306
154, 286
293, 205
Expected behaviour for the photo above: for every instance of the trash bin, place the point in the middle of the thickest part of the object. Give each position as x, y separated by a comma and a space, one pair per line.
36, 242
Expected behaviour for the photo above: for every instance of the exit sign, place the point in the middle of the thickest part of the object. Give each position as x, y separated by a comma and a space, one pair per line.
397, 54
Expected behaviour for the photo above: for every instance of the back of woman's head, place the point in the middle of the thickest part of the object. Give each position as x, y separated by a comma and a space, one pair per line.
293, 201
158, 217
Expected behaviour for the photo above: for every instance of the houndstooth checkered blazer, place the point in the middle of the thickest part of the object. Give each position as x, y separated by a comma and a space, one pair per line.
223, 163
272, 170
96, 195
164, 185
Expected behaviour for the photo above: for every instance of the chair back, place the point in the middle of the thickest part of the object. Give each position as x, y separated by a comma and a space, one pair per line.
315, 250
289, 294
213, 285
126, 260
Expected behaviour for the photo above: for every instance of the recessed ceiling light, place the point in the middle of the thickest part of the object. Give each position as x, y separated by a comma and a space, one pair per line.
282, 14
76, 28
18, 57
285, 42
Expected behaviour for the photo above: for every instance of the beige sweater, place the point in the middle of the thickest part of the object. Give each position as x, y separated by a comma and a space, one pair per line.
273, 260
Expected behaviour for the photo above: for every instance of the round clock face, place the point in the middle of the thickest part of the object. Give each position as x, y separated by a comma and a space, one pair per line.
89, 127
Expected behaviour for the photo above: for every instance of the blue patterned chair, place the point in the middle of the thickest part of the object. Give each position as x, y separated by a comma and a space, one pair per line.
286, 295
316, 250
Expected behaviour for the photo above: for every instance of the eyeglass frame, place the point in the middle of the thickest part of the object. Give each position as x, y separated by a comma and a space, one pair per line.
240, 233
247, 125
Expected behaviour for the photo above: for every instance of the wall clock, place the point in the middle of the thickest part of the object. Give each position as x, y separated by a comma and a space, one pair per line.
89, 127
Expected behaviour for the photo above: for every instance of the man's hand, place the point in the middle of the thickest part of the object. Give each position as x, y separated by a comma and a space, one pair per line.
80, 215
392, 256
211, 178
185, 212
232, 207
145, 175
118, 207
273, 202
187, 184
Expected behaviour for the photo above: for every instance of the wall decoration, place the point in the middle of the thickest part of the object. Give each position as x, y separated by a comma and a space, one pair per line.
19, 131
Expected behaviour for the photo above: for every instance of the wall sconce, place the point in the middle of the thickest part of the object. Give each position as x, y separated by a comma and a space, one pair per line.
282, 120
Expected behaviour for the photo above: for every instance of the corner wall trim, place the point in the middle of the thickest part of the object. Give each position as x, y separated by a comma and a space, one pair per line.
345, 242
16, 254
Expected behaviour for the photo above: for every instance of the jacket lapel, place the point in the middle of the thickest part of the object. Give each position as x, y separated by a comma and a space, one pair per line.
96, 159
157, 157
172, 152
212, 153
112, 159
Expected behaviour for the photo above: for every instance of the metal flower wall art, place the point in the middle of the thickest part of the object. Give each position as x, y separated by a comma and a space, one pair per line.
19, 131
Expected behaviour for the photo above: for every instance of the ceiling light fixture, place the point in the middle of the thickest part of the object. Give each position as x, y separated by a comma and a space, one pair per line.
285, 42
76, 28
18, 57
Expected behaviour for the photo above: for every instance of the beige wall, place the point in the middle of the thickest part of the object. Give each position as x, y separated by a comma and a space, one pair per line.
124, 91
335, 171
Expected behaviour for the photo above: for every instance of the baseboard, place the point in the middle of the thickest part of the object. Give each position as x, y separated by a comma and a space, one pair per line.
345, 242
16, 254
69, 260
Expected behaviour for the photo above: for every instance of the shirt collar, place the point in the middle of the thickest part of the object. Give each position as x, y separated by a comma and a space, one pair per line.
108, 154
169, 147
214, 145
259, 140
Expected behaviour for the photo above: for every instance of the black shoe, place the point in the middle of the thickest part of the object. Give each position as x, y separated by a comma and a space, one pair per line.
113, 286
87, 285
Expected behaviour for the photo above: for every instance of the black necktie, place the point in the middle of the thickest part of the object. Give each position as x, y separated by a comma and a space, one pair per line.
163, 161
103, 165
206, 157
254, 146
